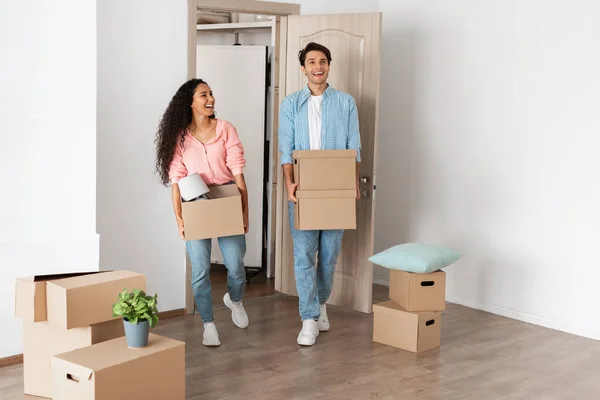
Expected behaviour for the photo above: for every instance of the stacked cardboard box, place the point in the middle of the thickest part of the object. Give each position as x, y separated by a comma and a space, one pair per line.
326, 191
411, 320
109, 370
66, 312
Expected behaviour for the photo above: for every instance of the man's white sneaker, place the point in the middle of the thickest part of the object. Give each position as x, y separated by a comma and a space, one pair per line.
323, 320
238, 313
308, 334
211, 336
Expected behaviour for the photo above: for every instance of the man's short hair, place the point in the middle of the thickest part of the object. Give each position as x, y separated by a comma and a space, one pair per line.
312, 46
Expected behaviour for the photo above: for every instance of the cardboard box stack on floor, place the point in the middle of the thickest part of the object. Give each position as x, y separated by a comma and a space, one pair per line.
66, 312
411, 320
326, 191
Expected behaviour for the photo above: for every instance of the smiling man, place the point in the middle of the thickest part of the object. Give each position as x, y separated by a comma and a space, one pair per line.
317, 117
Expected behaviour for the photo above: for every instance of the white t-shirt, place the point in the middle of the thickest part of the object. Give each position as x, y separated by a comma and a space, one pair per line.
314, 121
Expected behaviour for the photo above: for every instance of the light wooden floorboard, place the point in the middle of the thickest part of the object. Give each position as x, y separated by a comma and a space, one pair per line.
482, 357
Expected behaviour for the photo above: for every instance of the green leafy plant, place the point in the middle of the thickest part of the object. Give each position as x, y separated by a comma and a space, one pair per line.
136, 306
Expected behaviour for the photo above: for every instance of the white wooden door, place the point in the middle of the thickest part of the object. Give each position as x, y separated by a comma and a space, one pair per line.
237, 76
354, 41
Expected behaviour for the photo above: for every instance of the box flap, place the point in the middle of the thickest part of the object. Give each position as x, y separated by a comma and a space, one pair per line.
30, 294
298, 154
325, 194
93, 279
53, 277
114, 352
218, 192
85, 300
392, 309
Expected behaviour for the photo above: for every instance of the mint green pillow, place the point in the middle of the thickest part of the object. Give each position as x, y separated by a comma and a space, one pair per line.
416, 257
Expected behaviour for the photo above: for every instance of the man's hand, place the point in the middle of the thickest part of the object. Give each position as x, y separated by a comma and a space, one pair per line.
288, 175
291, 190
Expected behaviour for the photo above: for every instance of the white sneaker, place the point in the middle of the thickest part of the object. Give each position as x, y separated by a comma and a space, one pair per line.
323, 320
308, 334
238, 313
211, 336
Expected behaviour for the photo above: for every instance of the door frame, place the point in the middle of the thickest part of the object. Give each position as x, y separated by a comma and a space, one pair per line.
280, 11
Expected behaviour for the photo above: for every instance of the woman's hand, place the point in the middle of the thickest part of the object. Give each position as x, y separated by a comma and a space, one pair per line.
241, 184
246, 222
176, 198
180, 228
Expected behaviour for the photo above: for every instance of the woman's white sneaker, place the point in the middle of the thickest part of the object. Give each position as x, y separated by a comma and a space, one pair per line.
323, 320
211, 336
308, 334
239, 316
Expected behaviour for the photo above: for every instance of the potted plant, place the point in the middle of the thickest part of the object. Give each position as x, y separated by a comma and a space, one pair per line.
140, 313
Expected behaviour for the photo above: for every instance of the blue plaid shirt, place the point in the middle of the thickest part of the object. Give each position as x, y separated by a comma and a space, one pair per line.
339, 126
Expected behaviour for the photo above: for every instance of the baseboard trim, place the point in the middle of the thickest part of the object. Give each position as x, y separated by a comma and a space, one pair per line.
12, 360
381, 282
521, 316
180, 312
18, 358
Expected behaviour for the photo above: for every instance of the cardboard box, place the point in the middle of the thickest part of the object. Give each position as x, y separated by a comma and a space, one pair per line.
30, 295
85, 300
412, 331
110, 370
218, 217
418, 292
325, 169
325, 209
41, 341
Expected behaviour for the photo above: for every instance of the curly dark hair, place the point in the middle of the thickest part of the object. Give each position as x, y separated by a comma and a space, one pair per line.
312, 46
171, 130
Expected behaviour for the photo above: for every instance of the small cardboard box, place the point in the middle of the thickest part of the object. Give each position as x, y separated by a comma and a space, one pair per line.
411, 331
220, 216
110, 370
85, 300
41, 341
418, 292
30, 295
325, 209
325, 169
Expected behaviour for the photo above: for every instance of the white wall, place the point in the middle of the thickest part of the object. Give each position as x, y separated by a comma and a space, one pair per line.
142, 61
492, 110
47, 147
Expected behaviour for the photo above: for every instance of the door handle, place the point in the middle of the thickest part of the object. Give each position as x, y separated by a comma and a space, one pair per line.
364, 179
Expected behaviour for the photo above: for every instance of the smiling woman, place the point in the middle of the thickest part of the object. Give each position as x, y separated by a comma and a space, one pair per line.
191, 140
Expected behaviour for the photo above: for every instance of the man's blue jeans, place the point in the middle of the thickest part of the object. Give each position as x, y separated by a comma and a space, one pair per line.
314, 284
234, 250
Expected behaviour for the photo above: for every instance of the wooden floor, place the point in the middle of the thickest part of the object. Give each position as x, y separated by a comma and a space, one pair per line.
258, 287
482, 357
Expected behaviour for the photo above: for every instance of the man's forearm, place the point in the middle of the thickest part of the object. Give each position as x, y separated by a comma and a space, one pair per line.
288, 173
